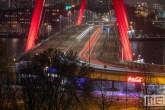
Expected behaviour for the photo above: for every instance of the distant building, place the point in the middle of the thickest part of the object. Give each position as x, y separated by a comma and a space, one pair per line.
13, 4
162, 2
141, 9
157, 6
4, 4
18, 20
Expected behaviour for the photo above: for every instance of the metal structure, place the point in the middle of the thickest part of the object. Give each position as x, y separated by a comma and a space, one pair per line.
33, 32
121, 16
81, 12
123, 26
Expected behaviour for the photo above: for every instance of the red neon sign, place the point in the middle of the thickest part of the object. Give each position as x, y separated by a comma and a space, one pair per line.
134, 79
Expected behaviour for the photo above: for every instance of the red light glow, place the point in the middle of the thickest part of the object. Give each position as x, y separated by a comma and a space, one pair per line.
33, 32
134, 79
123, 27
81, 12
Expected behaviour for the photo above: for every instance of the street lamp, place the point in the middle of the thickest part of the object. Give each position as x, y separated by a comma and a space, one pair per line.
126, 89
75, 16
140, 33
50, 61
69, 15
163, 51
93, 17
60, 27
132, 25
49, 28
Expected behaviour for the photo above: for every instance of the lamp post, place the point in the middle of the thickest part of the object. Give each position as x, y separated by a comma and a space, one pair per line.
89, 47
91, 13
108, 17
75, 16
132, 25
126, 88
93, 17
88, 16
60, 27
140, 33
163, 51
49, 29
50, 61
69, 15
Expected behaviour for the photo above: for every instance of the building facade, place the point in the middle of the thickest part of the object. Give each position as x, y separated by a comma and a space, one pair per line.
18, 20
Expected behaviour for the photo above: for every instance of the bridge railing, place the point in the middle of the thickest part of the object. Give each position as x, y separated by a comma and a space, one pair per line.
142, 65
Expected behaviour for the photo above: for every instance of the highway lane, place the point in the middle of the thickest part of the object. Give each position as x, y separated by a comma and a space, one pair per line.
96, 48
67, 42
60, 41
72, 43
109, 60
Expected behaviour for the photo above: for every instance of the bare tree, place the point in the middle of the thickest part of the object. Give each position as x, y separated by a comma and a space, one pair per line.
6, 74
59, 90
104, 96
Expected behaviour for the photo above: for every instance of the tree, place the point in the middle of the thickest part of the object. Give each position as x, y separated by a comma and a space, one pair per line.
6, 72
151, 17
63, 89
104, 96
4, 57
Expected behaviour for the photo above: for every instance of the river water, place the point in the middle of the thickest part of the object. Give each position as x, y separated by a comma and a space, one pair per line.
149, 50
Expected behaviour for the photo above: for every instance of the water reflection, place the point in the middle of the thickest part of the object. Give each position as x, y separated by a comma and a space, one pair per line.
16, 45
150, 51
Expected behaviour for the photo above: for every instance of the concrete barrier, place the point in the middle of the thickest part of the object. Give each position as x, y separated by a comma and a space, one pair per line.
142, 65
